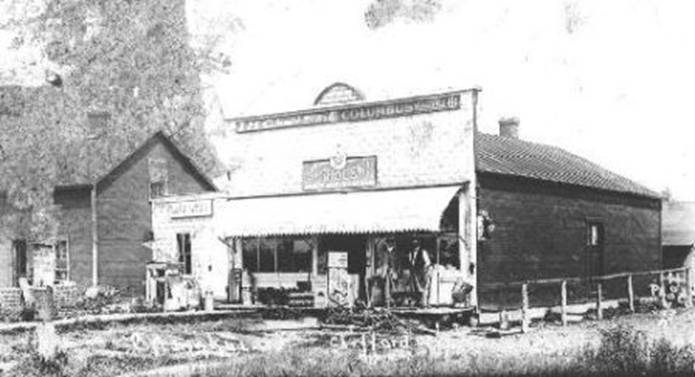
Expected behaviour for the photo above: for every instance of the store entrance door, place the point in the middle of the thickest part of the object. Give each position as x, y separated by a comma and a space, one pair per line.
356, 247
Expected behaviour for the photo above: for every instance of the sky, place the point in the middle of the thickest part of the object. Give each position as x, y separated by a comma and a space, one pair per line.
608, 80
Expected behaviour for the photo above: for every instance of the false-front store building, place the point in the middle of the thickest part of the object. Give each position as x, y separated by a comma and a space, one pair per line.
347, 186
337, 193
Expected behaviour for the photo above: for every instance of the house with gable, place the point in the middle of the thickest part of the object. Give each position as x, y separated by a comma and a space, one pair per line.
104, 224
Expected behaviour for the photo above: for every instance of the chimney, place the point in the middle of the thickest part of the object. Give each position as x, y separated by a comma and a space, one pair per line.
509, 127
97, 123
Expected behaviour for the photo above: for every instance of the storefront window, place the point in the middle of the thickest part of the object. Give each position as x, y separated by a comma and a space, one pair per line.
266, 251
277, 254
249, 248
294, 255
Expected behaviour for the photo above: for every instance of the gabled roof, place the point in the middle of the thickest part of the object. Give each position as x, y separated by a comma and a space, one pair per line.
158, 136
79, 153
678, 224
520, 158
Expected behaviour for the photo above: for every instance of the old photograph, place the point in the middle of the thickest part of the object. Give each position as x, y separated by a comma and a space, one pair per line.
347, 188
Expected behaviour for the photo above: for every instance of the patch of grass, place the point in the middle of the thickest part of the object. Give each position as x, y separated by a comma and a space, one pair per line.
621, 351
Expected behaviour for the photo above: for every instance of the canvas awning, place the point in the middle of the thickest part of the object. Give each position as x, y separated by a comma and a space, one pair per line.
413, 209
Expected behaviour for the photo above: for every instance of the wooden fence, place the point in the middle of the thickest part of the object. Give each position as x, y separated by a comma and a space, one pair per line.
599, 283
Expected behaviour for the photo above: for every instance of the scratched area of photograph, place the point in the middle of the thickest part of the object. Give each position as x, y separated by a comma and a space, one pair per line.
346, 188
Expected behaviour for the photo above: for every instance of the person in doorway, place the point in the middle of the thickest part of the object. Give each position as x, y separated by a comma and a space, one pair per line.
419, 263
387, 269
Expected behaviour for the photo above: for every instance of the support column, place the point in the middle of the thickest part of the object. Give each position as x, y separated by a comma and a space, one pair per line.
314, 256
468, 238
238, 254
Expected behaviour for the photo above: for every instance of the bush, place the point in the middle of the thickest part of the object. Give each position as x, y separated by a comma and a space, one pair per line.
625, 351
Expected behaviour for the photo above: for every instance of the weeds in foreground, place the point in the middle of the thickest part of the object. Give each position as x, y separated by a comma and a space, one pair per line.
623, 351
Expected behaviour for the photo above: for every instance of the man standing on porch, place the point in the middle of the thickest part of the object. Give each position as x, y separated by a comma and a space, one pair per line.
419, 262
387, 269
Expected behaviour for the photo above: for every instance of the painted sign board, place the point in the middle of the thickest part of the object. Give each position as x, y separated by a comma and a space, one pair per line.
327, 174
319, 285
193, 208
339, 287
372, 111
338, 259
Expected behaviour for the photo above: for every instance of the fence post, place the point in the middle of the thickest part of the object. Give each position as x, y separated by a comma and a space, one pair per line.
599, 305
630, 294
563, 302
662, 287
688, 289
524, 308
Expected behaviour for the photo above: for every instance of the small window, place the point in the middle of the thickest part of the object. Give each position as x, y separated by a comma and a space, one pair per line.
158, 173
594, 234
183, 243
62, 262
22, 263
98, 122
158, 189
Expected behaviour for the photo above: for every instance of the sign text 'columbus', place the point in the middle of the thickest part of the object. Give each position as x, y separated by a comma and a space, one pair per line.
390, 109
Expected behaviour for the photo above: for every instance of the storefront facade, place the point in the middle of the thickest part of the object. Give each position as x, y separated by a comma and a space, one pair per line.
326, 205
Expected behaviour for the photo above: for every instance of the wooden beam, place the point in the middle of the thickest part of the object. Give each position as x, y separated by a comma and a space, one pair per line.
630, 294
599, 303
563, 303
580, 279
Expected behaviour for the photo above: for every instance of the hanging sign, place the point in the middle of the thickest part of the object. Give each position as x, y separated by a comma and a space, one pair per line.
193, 208
337, 259
339, 172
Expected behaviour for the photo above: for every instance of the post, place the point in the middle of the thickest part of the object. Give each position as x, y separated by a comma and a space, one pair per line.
209, 304
688, 289
314, 256
599, 304
95, 236
662, 290
468, 241
524, 308
364, 344
563, 303
630, 294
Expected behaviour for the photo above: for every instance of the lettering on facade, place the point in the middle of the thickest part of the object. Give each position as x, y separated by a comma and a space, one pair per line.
391, 109
327, 174
194, 208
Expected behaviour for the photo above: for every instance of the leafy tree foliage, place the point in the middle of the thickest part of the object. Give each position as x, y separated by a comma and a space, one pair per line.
126, 70
382, 12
